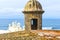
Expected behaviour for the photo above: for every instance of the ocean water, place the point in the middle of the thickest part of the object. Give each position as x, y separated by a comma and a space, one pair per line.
4, 23
54, 23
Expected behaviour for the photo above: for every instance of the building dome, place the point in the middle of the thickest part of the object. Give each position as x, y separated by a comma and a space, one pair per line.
33, 5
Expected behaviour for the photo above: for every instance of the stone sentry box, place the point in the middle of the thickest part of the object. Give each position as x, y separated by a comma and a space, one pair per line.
33, 15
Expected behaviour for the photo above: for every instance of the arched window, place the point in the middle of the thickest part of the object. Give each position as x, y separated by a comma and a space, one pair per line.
30, 5
34, 24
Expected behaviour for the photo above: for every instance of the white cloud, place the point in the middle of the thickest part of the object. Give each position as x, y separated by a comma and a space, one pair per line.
11, 13
10, 10
51, 8
13, 7
12, 3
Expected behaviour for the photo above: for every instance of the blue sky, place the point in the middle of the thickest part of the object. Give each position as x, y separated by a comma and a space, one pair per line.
13, 8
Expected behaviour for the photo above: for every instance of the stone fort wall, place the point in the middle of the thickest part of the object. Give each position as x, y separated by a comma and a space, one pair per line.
25, 36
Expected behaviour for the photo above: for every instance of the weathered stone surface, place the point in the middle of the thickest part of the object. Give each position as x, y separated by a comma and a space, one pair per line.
24, 35
29, 17
18, 36
33, 10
